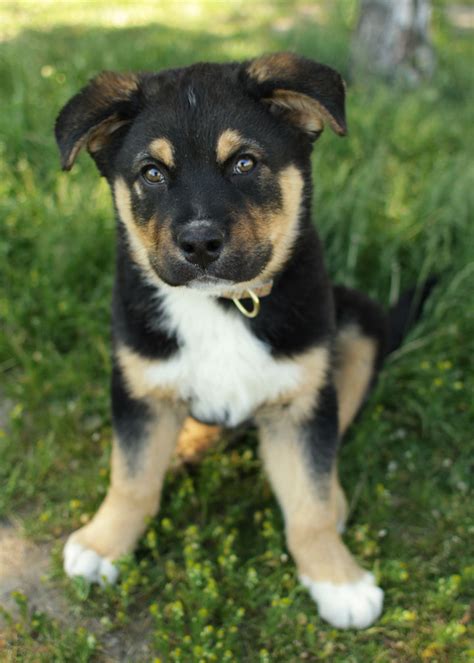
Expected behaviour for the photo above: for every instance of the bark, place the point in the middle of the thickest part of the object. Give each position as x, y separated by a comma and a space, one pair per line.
392, 40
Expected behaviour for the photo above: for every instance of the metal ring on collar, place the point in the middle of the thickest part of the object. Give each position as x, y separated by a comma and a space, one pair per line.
256, 305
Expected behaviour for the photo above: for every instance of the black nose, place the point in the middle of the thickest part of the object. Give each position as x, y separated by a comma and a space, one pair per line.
201, 243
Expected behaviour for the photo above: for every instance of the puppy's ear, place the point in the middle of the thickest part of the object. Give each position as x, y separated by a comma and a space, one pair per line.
92, 116
305, 93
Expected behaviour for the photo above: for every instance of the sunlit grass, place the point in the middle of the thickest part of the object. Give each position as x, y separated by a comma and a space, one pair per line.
215, 16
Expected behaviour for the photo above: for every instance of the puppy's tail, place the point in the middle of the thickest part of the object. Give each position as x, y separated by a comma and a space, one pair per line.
406, 312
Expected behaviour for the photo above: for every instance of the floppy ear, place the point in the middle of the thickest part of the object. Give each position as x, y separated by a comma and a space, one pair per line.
92, 116
305, 93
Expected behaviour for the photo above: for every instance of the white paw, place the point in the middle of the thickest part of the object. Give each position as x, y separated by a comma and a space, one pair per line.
82, 561
352, 605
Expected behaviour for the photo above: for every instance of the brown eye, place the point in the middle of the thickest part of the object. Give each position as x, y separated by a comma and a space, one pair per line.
153, 175
244, 165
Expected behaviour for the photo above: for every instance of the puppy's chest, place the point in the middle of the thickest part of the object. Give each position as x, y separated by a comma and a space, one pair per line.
221, 369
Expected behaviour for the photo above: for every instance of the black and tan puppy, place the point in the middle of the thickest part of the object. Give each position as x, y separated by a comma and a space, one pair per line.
222, 307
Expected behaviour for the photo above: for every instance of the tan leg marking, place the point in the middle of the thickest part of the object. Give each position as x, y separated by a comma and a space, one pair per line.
133, 494
138, 374
195, 438
314, 509
299, 402
311, 511
354, 370
133, 497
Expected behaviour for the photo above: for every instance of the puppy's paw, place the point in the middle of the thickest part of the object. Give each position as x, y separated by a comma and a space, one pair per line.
80, 560
350, 605
194, 440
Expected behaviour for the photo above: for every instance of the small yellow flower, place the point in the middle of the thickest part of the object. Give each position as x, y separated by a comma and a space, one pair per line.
166, 525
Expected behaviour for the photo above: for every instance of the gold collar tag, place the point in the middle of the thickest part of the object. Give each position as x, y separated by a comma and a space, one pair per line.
256, 304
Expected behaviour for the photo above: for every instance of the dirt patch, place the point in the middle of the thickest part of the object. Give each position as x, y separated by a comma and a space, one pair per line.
24, 566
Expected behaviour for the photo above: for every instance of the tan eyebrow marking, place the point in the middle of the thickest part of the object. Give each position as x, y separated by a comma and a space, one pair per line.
229, 142
162, 150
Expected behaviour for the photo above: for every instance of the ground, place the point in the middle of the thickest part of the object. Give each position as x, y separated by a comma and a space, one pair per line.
212, 580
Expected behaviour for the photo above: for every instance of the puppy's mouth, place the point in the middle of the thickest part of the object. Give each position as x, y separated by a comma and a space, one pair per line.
232, 270
215, 287
211, 285
207, 280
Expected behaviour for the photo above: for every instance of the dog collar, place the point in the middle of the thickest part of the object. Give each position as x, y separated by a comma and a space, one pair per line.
249, 293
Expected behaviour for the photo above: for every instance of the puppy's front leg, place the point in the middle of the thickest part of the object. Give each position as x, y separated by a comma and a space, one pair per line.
145, 434
298, 447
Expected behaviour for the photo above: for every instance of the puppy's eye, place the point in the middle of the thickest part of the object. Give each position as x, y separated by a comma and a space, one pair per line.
244, 165
153, 175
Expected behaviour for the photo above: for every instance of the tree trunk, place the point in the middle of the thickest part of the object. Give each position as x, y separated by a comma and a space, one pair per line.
391, 40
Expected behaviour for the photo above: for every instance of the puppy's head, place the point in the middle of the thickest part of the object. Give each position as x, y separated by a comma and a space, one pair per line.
208, 165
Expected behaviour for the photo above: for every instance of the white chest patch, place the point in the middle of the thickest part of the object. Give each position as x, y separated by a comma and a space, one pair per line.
221, 369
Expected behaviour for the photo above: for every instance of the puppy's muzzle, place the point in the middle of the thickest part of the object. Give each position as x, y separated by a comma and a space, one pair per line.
201, 243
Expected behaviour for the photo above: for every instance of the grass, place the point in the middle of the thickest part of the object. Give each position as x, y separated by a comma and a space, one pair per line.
211, 580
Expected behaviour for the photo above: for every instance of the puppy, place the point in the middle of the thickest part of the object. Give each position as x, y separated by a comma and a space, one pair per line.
222, 306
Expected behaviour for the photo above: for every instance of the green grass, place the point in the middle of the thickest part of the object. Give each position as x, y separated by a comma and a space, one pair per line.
211, 580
